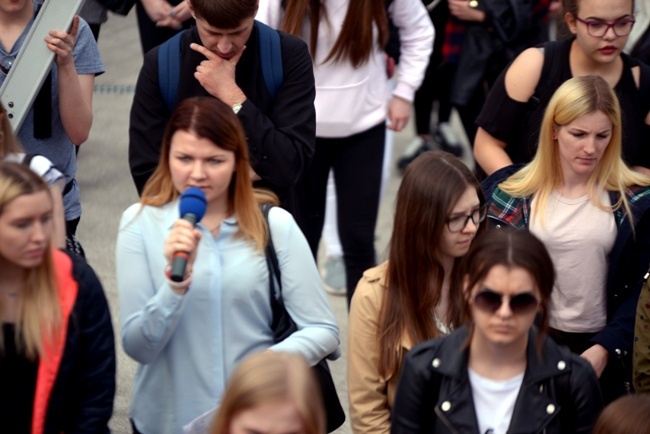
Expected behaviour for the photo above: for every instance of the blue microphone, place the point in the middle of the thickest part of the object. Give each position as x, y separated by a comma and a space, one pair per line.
192, 208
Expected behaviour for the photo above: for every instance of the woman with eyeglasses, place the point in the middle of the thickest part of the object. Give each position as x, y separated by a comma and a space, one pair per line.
510, 119
591, 212
501, 373
416, 295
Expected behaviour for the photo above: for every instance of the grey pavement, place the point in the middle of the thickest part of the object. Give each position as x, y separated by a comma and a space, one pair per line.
107, 190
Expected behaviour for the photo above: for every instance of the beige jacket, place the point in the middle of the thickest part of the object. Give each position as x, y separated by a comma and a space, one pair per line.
371, 396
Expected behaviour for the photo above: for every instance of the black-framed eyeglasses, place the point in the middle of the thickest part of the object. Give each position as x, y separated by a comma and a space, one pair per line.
598, 29
491, 301
458, 223
6, 63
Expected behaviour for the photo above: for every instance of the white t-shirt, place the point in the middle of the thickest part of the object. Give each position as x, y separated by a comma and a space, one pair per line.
579, 237
494, 401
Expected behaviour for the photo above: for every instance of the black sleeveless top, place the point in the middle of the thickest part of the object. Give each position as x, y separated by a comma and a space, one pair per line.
18, 384
518, 123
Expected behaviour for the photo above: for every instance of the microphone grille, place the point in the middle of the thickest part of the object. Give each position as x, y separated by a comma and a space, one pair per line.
193, 201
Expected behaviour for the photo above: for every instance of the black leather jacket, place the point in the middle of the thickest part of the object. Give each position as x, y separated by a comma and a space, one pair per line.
559, 392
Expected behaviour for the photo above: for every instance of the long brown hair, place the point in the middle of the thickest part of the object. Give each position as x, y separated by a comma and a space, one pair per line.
431, 187
39, 312
211, 119
355, 41
627, 415
272, 377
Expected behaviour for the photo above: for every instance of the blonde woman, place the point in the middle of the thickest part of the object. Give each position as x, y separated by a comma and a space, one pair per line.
271, 392
591, 211
11, 151
57, 350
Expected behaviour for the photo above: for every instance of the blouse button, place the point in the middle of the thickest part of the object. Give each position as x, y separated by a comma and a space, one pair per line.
550, 409
435, 363
446, 406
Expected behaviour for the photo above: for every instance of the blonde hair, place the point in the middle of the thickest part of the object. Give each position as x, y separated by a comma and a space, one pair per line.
213, 120
576, 97
272, 377
39, 311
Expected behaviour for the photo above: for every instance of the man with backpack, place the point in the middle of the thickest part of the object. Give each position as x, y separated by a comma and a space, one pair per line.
264, 75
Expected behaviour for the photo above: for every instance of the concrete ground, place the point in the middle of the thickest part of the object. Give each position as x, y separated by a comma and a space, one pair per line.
107, 190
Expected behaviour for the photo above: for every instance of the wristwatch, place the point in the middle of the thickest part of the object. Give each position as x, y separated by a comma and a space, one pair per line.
236, 107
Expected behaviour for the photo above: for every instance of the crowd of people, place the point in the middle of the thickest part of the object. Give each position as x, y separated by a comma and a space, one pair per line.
514, 298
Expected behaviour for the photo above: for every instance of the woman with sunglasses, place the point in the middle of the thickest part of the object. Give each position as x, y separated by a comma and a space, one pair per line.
501, 373
591, 211
416, 294
600, 30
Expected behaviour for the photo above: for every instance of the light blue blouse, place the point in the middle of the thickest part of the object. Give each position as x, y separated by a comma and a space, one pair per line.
188, 346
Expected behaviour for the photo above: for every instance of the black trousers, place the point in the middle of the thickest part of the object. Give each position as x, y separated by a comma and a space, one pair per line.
357, 164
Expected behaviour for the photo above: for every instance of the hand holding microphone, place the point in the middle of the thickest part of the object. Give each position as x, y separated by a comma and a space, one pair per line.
182, 242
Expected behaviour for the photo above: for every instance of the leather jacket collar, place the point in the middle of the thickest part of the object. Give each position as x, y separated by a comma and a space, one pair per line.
535, 408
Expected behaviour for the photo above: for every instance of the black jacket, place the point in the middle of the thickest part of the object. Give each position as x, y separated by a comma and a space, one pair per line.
559, 392
280, 132
83, 392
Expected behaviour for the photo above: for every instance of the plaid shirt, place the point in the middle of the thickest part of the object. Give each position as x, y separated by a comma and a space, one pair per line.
515, 211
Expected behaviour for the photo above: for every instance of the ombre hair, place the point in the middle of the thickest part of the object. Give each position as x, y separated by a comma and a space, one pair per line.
211, 119
432, 185
272, 377
511, 248
39, 311
355, 41
576, 97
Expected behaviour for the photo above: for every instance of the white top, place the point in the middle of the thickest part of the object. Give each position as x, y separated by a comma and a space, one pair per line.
494, 401
579, 237
351, 100
41, 166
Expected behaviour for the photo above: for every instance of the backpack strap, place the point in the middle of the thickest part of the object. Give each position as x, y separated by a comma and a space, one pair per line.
169, 69
270, 58
550, 68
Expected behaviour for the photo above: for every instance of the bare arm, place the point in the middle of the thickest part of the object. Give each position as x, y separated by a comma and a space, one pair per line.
75, 91
58, 217
521, 80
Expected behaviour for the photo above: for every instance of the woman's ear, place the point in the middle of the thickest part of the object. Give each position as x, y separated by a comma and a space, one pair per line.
570, 21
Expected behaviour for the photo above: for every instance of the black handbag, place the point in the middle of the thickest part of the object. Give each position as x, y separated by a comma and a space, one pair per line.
283, 326
121, 7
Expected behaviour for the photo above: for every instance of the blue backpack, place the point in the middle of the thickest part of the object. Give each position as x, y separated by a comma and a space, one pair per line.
169, 63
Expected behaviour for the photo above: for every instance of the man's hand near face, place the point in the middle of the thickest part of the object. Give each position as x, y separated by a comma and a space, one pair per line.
217, 75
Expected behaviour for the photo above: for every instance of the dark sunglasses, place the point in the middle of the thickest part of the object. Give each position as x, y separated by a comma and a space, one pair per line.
5, 63
490, 301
